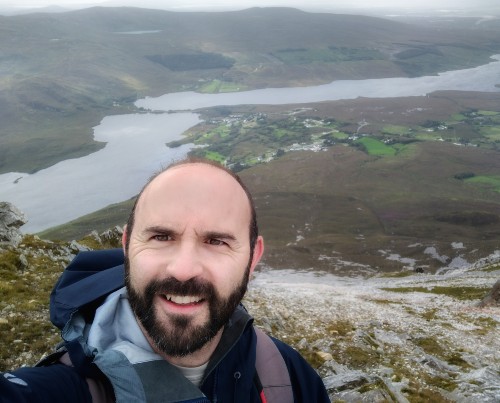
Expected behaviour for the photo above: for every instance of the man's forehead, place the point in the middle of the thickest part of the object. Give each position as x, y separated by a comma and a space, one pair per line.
195, 172
204, 180
193, 167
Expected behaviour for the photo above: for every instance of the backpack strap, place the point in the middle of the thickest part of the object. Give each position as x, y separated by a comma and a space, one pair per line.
271, 371
72, 355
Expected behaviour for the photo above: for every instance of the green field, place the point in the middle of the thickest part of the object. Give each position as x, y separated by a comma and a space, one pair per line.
376, 147
488, 113
396, 130
457, 117
492, 133
217, 86
331, 54
219, 131
492, 182
214, 156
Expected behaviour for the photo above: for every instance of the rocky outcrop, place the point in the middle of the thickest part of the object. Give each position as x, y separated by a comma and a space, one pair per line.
493, 297
111, 238
11, 219
388, 339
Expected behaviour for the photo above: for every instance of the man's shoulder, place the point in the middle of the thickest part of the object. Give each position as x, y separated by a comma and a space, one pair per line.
85, 283
55, 383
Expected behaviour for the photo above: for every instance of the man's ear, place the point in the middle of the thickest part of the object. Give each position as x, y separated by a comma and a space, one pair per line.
124, 240
257, 253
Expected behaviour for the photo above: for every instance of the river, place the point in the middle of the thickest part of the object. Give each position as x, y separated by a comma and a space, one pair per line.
136, 148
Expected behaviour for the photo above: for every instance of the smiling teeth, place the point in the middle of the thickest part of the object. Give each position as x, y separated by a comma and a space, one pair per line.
183, 300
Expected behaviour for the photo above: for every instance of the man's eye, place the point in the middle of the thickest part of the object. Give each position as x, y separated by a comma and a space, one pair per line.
162, 238
216, 242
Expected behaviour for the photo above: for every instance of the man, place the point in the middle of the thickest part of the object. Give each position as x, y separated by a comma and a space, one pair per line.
176, 332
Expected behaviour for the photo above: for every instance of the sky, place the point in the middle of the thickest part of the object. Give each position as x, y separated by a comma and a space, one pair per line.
188, 5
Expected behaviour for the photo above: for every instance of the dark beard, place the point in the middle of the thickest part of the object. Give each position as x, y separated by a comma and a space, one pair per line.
182, 338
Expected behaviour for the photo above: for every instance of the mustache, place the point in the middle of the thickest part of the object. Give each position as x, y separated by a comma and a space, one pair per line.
171, 285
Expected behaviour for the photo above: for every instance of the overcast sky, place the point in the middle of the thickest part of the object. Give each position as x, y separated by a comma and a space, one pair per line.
236, 4
244, 3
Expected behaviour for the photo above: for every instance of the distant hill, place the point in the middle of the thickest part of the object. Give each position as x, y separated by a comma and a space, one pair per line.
63, 72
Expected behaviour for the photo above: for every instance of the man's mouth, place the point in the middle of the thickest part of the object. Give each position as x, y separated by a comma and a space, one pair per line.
183, 299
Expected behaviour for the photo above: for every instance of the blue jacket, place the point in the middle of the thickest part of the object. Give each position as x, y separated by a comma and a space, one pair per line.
229, 377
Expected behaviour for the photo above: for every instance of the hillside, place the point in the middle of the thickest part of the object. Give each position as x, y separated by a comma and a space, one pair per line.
418, 338
391, 338
63, 72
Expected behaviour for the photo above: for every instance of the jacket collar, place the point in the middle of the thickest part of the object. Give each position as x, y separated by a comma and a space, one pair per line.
234, 329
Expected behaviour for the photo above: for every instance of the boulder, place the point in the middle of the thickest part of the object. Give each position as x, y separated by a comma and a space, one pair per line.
493, 297
11, 219
112, 237
324, 356
348, 380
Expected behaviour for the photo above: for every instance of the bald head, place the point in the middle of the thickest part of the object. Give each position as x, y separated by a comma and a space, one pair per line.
204, 187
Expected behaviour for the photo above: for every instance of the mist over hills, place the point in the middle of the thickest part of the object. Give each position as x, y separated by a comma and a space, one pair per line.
380, 7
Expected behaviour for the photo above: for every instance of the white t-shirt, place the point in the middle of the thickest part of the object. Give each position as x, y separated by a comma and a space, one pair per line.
195, 374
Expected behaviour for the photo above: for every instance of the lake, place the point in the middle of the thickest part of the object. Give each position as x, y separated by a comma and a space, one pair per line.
136, 147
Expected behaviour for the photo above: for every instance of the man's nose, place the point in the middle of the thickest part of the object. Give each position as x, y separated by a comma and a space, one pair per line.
185, 263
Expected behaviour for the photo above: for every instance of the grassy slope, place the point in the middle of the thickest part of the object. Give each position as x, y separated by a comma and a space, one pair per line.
61, 73
101, 220
343, 201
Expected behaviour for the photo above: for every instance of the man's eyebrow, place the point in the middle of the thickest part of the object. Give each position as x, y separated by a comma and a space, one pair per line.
156, 229
219, 235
